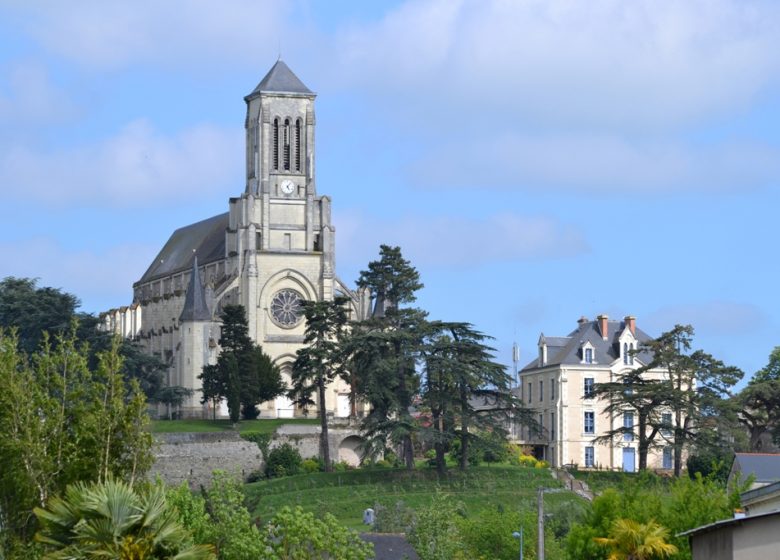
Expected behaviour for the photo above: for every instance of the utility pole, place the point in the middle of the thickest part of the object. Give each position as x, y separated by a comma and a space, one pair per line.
540, 523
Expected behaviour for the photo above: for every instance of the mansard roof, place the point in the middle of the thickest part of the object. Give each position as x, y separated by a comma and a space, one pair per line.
206, 239
280, 79
566, 350
195, 306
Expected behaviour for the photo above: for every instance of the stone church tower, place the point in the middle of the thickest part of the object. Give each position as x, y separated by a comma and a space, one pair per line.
274, 248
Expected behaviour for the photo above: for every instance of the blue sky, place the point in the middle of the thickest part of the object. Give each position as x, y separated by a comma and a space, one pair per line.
536, 160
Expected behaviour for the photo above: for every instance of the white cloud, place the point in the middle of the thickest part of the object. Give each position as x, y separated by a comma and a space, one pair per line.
597, 63
455, 241
130, 169
711, 318
598, 163
101, 279
30, 97
191, 33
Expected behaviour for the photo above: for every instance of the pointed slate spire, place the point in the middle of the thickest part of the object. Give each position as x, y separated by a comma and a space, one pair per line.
195, 307
280, 79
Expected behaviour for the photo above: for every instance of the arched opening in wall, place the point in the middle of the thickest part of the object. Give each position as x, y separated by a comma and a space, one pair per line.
275, 150
298, 144
283, 405
349, 450
286, 147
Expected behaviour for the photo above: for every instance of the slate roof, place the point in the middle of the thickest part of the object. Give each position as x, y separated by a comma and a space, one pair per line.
206, 239
280, 79
727, 523
567, 350
765, 466
195, 306
389, 546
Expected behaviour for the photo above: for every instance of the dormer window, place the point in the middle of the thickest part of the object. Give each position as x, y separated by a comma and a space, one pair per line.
625, 353
587, 353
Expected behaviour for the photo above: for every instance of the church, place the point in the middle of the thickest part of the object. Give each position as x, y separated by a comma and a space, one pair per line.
273, 248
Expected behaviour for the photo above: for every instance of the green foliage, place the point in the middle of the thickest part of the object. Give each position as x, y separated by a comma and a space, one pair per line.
244, 375
110, 520
293, 534
33, 311
284, 460
629, 540
398, 518
63, 422
320, 362
435, 534
262, 440
683, 504
383, 353
220, 519
311, 465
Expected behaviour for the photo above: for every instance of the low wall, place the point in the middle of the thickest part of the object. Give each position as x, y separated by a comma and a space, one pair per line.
193, 457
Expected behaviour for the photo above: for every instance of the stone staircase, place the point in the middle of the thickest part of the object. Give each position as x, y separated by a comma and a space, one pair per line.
570, 483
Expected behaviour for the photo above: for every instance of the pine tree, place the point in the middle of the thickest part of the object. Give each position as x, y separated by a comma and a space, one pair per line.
319, 363
384, 351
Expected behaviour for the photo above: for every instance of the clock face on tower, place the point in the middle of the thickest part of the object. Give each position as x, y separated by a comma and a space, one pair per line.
287, 187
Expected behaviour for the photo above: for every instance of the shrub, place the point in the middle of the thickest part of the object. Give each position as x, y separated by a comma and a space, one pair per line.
311, 465
284, 460
396, 519
293, 533
263, 441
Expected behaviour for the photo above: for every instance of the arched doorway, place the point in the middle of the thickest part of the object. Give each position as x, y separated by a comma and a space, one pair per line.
349, 450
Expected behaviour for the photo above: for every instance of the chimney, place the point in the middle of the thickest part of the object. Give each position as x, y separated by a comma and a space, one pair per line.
631, 323
603, 326
582, 320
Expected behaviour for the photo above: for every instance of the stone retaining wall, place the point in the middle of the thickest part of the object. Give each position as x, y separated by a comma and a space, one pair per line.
193, 457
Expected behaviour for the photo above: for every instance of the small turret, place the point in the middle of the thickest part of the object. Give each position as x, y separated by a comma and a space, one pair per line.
195, 306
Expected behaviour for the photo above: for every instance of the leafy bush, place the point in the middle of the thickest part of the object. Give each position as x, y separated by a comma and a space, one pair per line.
435, 535
219, 518
293, 533
396, 519
263, 441
284, 460
311, 465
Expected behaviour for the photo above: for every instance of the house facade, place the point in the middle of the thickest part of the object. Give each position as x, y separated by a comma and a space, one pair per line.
559, 387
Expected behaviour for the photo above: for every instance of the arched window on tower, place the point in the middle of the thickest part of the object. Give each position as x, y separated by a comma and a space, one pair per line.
275, 154
297, 144
286, 146
625, 353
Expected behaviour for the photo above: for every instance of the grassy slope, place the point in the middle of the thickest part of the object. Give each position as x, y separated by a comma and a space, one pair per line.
347, 494
256, 426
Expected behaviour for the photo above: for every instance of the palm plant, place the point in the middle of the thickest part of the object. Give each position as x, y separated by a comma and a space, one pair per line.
110, 520
630, 540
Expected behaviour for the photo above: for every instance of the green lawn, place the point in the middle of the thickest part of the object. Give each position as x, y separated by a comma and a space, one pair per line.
256, 426
347, 494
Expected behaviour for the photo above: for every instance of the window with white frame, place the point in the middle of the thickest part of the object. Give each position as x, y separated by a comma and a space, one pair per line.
589, 424
588, 355
667, 458
541, 425
588, 388
590, 457
552, 389
625, 353
628, 424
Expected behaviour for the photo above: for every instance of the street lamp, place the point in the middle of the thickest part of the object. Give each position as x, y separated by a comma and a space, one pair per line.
519, 535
